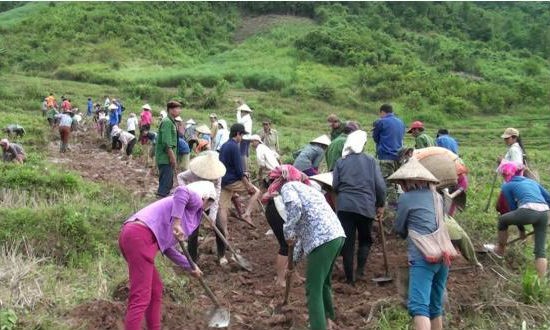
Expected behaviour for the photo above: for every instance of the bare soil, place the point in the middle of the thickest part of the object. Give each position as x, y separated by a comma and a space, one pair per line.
252, 297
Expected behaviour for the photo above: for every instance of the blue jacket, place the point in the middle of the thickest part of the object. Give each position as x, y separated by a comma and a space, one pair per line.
230, 156
183, 147
521, 190
447, 142
113, 118
388, 135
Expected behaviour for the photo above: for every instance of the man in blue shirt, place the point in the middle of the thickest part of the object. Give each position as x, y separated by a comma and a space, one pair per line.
235, 180
444, 140
113, 118
388, 133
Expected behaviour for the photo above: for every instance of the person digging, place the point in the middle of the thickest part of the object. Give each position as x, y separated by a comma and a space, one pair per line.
235, 181
206, 167
529, 204
274, 212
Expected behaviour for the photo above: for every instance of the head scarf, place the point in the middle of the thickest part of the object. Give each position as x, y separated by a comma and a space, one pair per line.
355, 143
205, 189
509, 169
281, 175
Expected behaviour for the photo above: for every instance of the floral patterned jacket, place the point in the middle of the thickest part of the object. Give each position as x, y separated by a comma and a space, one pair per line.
310, 220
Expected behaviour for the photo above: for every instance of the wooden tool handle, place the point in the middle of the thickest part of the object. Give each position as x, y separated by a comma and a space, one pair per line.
206, 288
218, 232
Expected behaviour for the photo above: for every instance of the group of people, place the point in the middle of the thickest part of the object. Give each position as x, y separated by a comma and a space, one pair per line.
318, 216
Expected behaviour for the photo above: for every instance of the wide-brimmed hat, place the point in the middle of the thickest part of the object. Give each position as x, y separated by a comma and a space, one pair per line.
147, 106
190, 121
203, 129
416, 124
244, 107
255, 137
205, 189
413, 170
324, 178
207, 166
323, 139
510, 131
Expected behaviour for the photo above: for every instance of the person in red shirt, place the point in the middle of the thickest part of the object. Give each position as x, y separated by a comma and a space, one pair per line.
145, 122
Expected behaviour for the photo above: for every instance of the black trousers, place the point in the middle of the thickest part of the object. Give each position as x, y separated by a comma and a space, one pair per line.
276, 223
355, 225
193, 243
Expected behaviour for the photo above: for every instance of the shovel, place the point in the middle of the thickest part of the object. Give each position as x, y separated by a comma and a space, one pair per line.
237, 257
289, 274
218, 317
386, 278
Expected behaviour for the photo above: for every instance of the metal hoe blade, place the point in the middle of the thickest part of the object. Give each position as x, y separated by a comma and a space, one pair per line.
245, 264
219, 318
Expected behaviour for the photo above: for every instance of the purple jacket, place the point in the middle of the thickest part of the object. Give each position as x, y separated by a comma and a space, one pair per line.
158, 216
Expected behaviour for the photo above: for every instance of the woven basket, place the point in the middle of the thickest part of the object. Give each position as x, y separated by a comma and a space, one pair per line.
442, 167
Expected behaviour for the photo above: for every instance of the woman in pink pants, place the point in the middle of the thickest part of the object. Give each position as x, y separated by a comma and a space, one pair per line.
159, 226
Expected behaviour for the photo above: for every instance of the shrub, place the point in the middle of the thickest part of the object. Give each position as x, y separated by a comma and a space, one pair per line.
457, 106
324, 92
414, 101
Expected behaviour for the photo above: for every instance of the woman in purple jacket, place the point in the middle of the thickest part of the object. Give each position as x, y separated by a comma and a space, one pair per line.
159, 226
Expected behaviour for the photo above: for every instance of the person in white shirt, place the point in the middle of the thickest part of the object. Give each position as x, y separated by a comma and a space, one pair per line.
131, 124
222, 135
267, 159
127, 140
513, 142
244, 117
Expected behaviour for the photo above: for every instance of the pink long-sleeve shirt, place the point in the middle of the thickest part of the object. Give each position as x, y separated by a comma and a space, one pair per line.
158, 217
146, 118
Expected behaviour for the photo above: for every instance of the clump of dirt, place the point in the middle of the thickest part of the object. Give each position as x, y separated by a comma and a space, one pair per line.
99, 314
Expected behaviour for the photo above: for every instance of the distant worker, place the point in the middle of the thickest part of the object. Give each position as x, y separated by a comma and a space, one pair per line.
222, 135
166, 148
65, 125
311, 155
336, 126
90, 105
213, 127
244, 117
269, 136
131, 124
388, 133
145, 122
444, 140
334, 150
127, 140
44, 107
266, 158
422, 140
113, 118
12, 152
14, 130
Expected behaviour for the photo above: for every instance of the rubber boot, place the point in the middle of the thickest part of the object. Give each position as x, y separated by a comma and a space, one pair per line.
541, 265
502, 240
362, 255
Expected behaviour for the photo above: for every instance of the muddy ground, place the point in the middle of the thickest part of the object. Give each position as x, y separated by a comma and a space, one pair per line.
251, 297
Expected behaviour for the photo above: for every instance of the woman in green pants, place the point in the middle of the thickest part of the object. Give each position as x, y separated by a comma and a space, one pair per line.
315, 231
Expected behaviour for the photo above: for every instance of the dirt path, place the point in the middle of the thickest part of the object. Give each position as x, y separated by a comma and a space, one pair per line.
251, 297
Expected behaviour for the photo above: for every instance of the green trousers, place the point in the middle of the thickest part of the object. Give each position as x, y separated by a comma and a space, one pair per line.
318, 288
388, 167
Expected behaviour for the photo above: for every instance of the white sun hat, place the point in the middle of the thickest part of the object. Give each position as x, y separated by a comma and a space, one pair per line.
207, 166
323, 139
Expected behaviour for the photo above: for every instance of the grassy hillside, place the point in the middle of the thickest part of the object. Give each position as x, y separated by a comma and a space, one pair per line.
474, 68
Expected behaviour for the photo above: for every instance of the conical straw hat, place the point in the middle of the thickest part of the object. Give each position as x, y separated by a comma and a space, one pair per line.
413, 170
325, 178
203, 129
207, 166
323, 139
